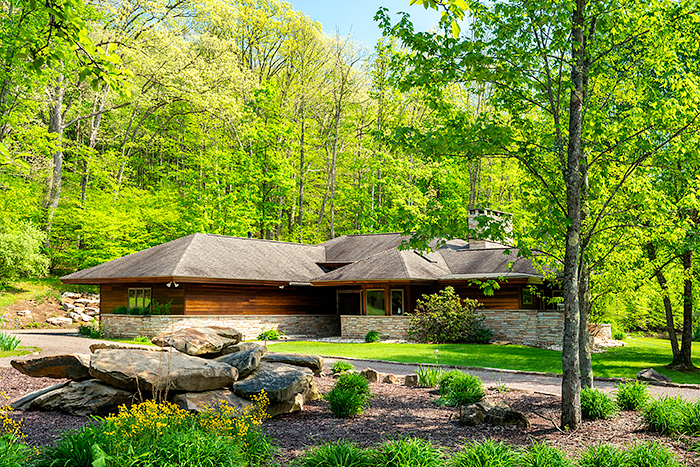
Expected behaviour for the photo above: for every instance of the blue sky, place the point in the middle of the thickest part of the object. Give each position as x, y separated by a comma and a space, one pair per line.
356, 16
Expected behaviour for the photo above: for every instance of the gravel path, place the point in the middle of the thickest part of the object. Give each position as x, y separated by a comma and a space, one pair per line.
51, 342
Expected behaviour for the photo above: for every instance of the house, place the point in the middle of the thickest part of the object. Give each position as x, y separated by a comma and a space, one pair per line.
345, 286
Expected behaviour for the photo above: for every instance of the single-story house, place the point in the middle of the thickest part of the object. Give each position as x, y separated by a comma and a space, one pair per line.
345, 286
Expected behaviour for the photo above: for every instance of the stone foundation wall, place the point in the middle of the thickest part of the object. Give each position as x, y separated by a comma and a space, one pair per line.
523, 327
128, 326
388, 327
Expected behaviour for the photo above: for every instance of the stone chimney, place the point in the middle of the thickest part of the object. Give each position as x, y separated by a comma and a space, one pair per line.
482, 240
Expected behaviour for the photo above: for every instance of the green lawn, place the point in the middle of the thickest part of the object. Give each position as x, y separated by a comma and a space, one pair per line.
621, 362
19, 352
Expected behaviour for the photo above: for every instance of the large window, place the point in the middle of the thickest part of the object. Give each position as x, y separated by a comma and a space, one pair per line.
375, 302
397, 305
140, 298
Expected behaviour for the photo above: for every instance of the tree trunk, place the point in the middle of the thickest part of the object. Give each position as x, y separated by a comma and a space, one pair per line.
301, 175
584, 342
55, 126
663, 284
684, 362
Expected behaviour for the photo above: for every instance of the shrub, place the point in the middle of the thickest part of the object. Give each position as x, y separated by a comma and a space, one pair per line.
485, 454
444, 317
665, 415
8, 342
409, 452
20, 252
270, 335
372, 336
428, 377
602, 455
542, 455
341, 366
339, 454
142, 339
160, 308
461, 389
650, 455
446, 379
13, 453
121, 310
632, 395
93, 332
595, 405
349, 396
619, 335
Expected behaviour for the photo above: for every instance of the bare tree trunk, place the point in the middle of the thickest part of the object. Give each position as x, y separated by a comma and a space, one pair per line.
55, 126
584, 342
301, 174
663, 284
684, 361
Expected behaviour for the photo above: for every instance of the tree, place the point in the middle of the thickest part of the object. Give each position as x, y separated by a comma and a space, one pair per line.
20, 252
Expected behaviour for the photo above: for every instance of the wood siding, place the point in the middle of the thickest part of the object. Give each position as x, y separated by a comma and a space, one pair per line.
116, 295
203, 299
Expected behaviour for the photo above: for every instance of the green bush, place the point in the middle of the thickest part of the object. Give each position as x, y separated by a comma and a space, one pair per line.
74, 448
595, 405
603, 455
542, 455
665, 415
20, 252
270, 335
409, 452
650, 455
13, 453
488, 453
349, 396
121, 310
93, 332
461, 389
619, 335
372, 336
446, 379
342, 453
8, 342
445, 317
632, 395
428, 376
341, 366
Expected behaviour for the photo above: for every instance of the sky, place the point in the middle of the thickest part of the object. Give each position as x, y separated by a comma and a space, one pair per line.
356, 17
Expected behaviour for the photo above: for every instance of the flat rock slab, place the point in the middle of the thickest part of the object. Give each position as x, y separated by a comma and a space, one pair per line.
117, 345
74, 367
159, 371
246, 361
200, 341
313, 362
651, 374
281, 382
241, 346
83, 398
200, 401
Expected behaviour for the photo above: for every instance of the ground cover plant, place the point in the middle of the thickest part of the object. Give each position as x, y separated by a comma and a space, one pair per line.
671, 415
349, 395
428, 376
372, 336
619, 362
595, 404
460, 388
341, 366
632, 395
270, 335
8, 342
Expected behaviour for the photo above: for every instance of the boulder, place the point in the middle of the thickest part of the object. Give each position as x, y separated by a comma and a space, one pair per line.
241, 346
23, 403
201, 341
159, 371
199, 401
83, 398
390, 379
75, 367
370, 375
411, 380
312, 362
24, 313
245, 361
117, 345
498, 414
471, 415
281, 382
651, 374
59, 321
296, 404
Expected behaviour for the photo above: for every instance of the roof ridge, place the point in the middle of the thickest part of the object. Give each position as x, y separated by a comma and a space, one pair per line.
401, 260
260, 240
184, 253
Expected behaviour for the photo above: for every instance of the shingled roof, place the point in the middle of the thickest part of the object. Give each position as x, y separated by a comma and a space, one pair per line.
369, 258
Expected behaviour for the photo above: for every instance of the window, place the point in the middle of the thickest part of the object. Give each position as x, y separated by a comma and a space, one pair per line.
140, 298
397, 307
527, 296
375, 302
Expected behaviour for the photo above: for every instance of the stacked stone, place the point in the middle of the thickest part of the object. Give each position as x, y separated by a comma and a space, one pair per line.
79, 307
193, 368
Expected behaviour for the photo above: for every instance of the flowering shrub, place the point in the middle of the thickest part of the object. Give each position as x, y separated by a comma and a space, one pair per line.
13, 452
445, 317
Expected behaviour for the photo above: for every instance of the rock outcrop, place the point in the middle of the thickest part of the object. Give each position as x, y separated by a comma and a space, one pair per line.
280, 381
75, 367
246, 361
498, 414
651, 374
312, 362
208, 341
89, 397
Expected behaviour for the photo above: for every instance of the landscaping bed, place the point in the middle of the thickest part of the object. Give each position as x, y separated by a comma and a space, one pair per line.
394, 411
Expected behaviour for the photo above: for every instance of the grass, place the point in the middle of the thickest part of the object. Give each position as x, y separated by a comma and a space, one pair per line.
18, 352
37, 290
620, 362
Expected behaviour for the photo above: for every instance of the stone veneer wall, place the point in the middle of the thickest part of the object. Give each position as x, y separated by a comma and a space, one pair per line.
523, 327
128, 326
388, 327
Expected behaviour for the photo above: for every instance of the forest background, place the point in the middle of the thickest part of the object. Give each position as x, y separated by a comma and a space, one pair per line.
229, 117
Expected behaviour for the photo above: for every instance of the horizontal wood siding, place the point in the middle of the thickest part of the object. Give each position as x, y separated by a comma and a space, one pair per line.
507, 298
203, 299
116, 295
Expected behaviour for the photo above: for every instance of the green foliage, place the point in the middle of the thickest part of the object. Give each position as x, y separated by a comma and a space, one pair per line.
142, 339
650, 455
160, 308
342, 453
270, 335
488, 453
619, 335
8, 342
460, 388
602, 455
666, 415
349, 396
372, 336
596, 404
632, 395
428, 376
13, 453
445, 317
20, 252
341, 366
543, 455
409, 452
91, 331
74, 448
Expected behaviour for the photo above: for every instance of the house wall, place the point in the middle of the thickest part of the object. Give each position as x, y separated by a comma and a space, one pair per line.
115, 295
388, 327
207, 299
126, 326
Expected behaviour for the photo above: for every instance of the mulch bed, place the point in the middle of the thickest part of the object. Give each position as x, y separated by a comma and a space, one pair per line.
394, 411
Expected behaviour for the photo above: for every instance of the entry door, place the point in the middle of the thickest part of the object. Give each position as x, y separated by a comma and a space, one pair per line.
349, 302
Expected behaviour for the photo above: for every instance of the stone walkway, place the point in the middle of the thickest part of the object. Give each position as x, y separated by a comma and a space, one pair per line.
67, 341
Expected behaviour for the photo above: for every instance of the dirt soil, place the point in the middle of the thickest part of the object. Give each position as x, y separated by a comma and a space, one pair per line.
394, 411
40, 310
